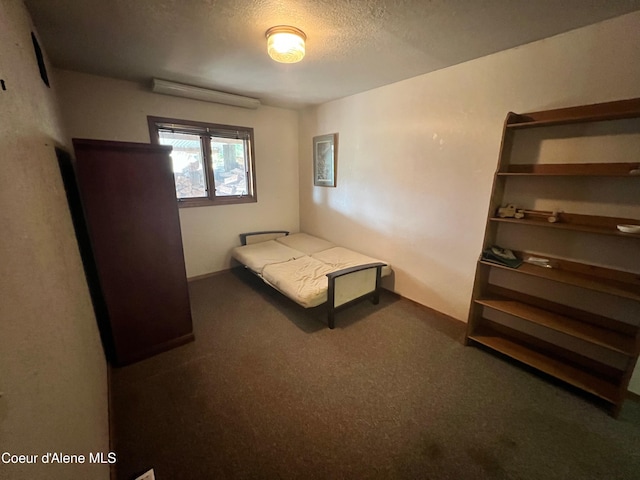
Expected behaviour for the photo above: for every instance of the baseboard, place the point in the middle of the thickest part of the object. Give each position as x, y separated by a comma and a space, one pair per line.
154, 350
208, 275
446, 324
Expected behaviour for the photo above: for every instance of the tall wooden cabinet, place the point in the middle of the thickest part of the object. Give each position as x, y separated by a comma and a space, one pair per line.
128, 198
572, 309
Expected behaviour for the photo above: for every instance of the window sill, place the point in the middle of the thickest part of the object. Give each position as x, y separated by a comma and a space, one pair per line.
207, 202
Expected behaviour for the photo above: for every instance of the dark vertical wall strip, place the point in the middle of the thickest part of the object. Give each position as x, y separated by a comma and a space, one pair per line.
40, 58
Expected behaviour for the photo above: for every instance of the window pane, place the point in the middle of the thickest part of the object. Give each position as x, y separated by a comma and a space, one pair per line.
188, 166
229, 162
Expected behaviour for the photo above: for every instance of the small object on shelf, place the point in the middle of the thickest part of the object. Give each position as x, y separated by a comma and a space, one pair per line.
629, 228
501, 256
508, 211
511, 211
541, 262
635, 171
551, 217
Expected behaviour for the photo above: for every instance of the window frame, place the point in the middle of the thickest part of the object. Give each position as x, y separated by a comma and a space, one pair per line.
209, 130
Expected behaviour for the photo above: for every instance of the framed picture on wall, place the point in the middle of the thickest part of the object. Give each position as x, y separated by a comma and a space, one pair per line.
324, 160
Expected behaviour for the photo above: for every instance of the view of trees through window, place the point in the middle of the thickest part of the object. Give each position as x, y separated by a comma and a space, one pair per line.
188, 163
227, 163
211, 163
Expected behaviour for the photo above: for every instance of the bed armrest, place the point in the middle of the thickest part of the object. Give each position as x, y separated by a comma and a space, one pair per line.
351, 284
263, 236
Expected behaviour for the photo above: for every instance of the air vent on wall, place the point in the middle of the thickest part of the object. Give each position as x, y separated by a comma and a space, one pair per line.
204, 94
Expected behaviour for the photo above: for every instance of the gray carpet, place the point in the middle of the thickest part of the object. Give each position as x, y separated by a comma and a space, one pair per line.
267, 391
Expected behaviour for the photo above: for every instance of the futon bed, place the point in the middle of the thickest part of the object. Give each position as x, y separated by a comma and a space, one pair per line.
311, 271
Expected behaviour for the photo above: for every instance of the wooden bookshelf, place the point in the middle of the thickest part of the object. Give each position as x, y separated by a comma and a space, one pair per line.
585, 344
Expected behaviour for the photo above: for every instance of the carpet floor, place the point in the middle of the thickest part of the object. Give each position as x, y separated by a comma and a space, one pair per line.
266, 391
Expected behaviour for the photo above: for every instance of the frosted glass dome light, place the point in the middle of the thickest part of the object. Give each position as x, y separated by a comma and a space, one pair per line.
285, 44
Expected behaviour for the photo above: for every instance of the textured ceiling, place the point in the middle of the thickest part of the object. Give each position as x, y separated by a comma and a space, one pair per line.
352, 45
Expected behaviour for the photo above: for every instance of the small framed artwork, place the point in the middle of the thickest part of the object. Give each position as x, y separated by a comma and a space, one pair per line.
324, 160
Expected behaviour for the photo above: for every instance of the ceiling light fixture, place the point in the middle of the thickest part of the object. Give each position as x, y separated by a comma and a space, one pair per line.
204, 94
285, 44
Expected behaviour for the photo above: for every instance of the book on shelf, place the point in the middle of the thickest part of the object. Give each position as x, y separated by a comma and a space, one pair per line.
501, 256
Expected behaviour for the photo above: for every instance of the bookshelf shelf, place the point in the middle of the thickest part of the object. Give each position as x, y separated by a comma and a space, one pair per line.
595, 335
624, 169
534, 356
579, 223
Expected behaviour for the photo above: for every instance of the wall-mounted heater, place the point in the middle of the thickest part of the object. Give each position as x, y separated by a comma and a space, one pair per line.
204, 94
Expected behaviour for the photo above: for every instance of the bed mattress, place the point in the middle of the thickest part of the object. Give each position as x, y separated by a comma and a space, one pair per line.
257, 255
303, 280
305, 243
340, 257
297, 265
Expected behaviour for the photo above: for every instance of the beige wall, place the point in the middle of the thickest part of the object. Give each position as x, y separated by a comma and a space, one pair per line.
103, 108
53, 375
416, 158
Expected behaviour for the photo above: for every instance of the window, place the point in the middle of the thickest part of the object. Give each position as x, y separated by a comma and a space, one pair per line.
212, 164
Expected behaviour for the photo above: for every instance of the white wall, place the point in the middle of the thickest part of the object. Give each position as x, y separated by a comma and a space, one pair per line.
53, 374
416, 158
108, 109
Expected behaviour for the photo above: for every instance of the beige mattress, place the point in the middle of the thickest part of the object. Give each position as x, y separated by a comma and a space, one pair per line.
303, 280
340, 257
297, 265
257, 255
305, 243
